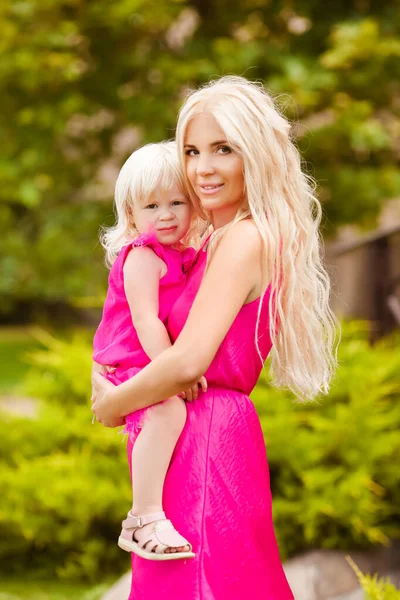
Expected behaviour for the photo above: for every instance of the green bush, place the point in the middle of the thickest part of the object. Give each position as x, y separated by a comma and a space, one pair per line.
334, 467
375, 588
334, 463
65, 483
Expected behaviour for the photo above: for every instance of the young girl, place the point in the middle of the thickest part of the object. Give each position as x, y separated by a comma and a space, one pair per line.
149, 257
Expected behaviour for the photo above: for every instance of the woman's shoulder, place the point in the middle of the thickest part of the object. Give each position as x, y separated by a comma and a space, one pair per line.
247, 229
242, 237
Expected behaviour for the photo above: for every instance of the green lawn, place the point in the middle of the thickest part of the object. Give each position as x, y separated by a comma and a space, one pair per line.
32, 589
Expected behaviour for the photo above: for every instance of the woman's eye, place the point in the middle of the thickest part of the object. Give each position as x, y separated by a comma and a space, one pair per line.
224, 150
191, 152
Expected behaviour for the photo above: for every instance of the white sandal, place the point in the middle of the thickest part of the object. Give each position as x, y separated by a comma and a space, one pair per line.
153, 546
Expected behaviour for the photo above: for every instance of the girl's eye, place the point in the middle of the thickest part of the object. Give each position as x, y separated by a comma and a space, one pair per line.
151, 206
177, 203
224, 150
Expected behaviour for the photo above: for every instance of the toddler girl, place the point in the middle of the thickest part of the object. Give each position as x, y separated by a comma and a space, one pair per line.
148, 253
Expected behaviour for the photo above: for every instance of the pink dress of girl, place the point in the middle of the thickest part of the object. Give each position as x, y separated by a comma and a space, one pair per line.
217, 490
116, 342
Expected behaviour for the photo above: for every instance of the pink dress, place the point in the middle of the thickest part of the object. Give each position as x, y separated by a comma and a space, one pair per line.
217, 490
116, 342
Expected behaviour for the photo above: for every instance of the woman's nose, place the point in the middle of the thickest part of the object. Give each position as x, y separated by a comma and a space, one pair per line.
204, 166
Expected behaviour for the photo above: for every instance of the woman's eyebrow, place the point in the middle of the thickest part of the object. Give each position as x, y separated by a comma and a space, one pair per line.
217, 143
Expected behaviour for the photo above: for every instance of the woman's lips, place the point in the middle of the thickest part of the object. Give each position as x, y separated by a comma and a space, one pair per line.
209, 189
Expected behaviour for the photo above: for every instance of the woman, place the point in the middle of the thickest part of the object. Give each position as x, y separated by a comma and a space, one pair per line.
258, 283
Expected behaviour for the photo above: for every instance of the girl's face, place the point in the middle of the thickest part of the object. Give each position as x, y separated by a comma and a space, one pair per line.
214, 170
167, 214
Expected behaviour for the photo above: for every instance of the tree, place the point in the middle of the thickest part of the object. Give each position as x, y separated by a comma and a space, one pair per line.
82, 84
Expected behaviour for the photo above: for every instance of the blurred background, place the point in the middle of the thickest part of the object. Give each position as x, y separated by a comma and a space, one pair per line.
82, 84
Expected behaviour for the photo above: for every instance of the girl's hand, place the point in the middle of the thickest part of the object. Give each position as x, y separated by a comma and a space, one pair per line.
103, 403
193, 392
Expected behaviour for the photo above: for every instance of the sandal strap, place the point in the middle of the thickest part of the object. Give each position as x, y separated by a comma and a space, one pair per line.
132, 522
165, 536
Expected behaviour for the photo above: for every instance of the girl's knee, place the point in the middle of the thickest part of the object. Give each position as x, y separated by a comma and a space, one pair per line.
173, 411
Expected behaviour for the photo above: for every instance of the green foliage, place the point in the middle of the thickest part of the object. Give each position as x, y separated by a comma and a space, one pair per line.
333, 463
334, 468
82, 84
375, 588
65, 482
13, 343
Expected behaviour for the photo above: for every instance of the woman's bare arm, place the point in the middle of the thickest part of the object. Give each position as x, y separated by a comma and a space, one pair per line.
232, 276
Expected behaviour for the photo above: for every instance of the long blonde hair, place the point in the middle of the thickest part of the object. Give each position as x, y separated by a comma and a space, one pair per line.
282, 204
154, 167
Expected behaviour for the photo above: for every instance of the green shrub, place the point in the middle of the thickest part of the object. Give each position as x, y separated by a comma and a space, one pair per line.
375, 588
334, 463
65, 483
334, 467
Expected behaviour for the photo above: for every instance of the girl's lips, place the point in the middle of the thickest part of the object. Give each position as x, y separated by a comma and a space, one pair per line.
168, 228
209, 190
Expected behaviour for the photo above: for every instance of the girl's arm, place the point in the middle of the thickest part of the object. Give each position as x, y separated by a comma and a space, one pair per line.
233, 276
142, 272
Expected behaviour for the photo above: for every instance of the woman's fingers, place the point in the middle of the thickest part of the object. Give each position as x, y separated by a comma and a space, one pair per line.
97, 381
95, 376
189, 395
97, 368
103, 406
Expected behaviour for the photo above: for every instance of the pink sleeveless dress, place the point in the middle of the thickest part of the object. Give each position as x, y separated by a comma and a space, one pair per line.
217, 490
116, 342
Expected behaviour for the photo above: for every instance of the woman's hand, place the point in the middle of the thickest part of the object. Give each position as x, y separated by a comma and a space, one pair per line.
102, 369
103, 403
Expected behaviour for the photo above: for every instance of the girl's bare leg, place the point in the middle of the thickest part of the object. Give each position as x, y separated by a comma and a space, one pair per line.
151, 456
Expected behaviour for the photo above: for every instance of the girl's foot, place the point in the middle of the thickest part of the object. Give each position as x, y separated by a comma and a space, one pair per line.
143, 532
152, 536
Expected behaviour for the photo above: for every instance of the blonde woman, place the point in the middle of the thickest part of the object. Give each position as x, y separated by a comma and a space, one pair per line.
258, 286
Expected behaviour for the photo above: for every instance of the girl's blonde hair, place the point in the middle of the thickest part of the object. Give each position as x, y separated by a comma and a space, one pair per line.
282, 204
152, 168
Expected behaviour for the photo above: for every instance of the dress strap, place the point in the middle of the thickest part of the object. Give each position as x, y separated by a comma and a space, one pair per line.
145, 240
205, 242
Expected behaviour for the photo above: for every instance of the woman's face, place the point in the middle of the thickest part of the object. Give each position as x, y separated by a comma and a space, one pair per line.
214, 170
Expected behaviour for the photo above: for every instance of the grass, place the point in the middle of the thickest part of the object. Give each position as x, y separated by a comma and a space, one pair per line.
27, 588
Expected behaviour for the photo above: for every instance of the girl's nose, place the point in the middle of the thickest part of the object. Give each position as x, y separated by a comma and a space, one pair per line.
166, 215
